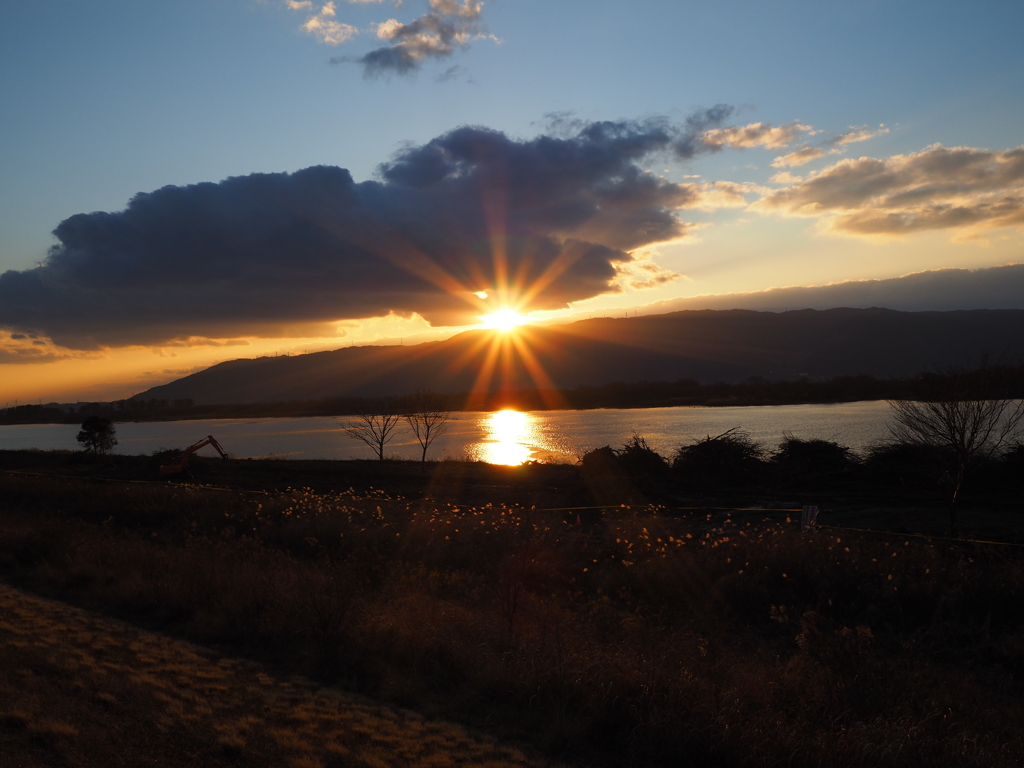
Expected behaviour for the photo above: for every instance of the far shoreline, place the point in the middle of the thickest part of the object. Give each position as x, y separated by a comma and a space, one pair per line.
755, 391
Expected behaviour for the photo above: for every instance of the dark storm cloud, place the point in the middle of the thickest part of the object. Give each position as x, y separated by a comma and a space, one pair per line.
290, 254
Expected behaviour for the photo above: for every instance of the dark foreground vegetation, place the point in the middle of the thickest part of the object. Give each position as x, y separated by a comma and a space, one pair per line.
642, 394
683, 629
80, 690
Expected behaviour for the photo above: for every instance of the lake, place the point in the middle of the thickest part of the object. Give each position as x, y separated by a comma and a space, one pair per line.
503, 437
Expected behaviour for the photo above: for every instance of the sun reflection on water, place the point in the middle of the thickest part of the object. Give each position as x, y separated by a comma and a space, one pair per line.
507, 438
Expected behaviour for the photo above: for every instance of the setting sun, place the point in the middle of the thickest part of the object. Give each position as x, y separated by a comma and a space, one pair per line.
503, 320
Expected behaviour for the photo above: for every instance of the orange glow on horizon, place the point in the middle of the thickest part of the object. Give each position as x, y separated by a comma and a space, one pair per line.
511, 357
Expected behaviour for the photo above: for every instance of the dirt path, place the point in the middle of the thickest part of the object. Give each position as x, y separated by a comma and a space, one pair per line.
80, 690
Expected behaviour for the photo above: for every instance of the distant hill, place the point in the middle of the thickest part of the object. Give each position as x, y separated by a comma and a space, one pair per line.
707, 346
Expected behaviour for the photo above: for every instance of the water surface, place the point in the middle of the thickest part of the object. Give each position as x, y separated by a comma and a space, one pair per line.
504, 437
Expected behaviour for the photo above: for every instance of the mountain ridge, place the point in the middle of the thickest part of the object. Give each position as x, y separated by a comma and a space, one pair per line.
704, 345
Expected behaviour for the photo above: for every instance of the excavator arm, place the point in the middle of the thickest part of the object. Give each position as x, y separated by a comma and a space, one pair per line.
181, 462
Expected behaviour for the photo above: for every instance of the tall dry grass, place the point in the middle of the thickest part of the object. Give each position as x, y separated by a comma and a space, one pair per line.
640, 637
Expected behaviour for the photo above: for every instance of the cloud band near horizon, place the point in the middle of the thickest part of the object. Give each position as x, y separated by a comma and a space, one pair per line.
538, 223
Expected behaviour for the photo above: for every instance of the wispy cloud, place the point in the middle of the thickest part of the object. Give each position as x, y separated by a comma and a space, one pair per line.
454, 72
724, 194
323, 25
643, 274
29, 348
757, 135
836, 145
800, 157
447, 27
857, 134
957, 188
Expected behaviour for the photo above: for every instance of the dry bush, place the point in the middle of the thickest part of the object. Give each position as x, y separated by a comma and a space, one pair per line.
731, 458
632, 474
811, 459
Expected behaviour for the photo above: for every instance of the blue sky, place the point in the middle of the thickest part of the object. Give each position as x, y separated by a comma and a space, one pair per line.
105, 99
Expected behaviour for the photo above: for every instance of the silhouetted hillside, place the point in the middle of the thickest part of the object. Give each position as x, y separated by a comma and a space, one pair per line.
706, 346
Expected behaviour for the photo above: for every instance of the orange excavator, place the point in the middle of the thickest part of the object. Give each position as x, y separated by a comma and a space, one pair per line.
181, 463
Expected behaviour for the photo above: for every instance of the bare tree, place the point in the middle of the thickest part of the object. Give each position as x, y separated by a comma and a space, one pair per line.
376, 424
967, 414
427, 416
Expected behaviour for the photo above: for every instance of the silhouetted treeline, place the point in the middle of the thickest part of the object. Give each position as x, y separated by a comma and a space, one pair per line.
32, 414
642, 394
117, 410
732, 463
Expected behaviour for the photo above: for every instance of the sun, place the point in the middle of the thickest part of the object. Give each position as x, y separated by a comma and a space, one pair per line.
503, 320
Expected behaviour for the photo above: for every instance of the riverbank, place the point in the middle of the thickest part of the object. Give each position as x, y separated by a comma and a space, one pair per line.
892, 493
659, 634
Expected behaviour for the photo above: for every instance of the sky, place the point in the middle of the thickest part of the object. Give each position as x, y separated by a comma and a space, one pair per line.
187, 182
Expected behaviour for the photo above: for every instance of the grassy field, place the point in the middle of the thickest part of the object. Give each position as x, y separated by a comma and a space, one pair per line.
631, 635
81, 690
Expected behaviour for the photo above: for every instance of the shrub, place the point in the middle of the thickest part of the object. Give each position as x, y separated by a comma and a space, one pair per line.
630, 475
642, 462
811, 458
907, 465
731, 457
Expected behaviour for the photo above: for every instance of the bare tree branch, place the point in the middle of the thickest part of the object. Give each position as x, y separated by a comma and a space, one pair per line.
967, 414
427, 415
376, 425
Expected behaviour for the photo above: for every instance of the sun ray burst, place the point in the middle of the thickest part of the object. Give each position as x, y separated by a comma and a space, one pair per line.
503, 320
